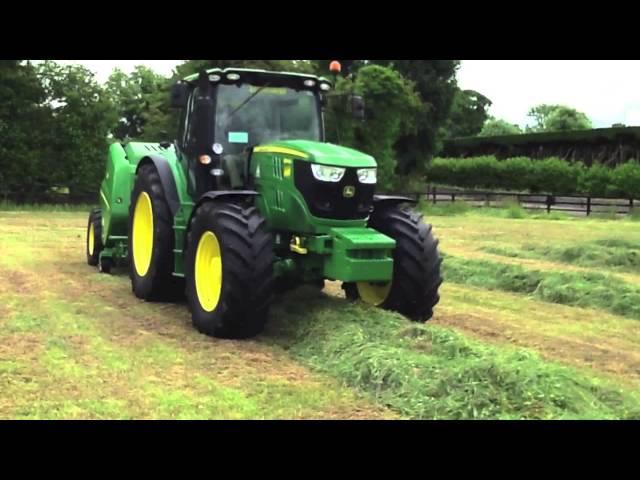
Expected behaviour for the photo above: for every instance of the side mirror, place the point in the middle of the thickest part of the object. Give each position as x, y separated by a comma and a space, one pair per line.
179, 95
357, 106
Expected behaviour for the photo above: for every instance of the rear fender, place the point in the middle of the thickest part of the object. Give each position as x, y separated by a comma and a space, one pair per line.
166, 178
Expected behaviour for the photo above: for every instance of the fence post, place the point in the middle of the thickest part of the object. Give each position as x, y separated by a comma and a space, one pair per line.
548, 203
453, 197
434, 195
630, 205
588, 206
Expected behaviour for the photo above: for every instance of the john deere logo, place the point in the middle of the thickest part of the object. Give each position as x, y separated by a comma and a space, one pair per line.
348, 191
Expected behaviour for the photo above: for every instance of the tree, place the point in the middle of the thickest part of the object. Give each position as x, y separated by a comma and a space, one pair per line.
540, 113
142, 102
390, 99
564, 119
554, 118
469, 112
436, 85
76, 135
494, 127
24, 121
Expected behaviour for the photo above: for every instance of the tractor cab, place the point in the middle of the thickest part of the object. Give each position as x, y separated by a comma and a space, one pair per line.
226, 113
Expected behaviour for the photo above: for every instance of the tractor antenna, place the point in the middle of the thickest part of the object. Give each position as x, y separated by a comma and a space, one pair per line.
335, 68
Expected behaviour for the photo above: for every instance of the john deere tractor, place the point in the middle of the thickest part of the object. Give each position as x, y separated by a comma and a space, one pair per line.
251, 200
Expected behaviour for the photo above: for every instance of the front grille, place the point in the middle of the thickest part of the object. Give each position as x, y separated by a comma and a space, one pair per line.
327, 200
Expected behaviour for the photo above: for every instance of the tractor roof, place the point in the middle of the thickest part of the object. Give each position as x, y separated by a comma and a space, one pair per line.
257, 75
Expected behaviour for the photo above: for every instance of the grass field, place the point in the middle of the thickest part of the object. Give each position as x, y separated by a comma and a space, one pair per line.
538, 319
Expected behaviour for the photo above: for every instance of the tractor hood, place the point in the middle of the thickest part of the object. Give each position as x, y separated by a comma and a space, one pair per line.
318, 152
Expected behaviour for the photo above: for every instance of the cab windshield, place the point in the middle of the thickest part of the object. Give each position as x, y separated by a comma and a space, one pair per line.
249, 115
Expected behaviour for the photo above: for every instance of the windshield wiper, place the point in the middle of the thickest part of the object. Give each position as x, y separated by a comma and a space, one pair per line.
248, 99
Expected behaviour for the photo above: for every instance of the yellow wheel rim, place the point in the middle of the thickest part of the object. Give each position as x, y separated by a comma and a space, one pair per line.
208, 271
91, 239
372, 293
142, 234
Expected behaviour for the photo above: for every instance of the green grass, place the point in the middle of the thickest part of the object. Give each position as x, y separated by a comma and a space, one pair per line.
582, 289
445, 209
512, 209
553, 215
431, 372
84, 367
77, 344
609, 253
8, 206
507, 210
608, 213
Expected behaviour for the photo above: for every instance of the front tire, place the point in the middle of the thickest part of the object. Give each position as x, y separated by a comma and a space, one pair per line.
151, 238
229, 270
413, 290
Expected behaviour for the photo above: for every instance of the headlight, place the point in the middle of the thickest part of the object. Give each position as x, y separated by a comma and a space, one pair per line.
327, 174
367, 175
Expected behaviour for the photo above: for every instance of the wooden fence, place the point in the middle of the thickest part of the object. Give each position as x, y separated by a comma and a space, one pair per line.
573, 204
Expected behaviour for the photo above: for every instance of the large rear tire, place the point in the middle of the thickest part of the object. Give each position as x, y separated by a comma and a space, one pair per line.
413, 290
94, 237
229, 270
151, 238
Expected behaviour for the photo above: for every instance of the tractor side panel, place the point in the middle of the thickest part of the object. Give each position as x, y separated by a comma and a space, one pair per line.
115, 194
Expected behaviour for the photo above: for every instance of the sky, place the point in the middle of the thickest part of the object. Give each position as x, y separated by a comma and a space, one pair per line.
608, 91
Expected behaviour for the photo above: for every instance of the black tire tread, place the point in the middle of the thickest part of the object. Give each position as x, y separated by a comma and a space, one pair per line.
95, 217
416, 266
158, 283
247, 263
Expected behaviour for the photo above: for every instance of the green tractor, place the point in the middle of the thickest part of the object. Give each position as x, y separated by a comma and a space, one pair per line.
251, 201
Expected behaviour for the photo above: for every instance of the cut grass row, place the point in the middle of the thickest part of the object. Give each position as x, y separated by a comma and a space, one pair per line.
582, 289
427, 371
592, 340
618, 254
